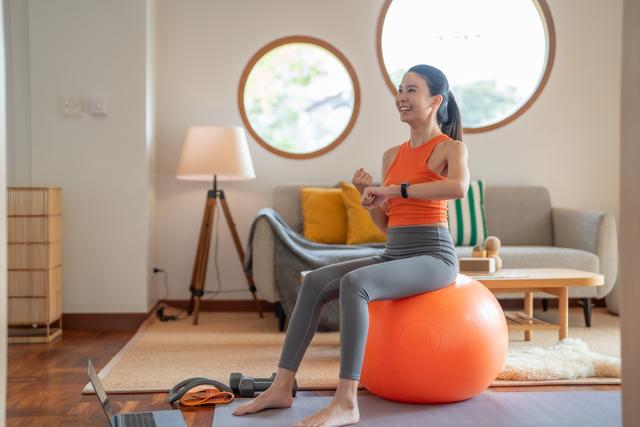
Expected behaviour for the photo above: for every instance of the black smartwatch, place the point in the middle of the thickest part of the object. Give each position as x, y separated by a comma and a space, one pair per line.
403, 189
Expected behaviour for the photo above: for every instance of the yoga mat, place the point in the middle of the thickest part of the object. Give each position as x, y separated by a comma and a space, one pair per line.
490, 409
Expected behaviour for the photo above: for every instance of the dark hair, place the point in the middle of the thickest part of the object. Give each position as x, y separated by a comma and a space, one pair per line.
448, 115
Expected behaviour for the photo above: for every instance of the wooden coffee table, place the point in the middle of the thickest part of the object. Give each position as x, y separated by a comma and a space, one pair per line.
554, 281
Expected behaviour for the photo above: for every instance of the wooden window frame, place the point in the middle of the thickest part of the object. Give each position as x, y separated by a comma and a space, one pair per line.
308, 40
547, 21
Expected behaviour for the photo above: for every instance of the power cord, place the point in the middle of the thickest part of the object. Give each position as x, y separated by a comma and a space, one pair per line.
160, 311
218, 290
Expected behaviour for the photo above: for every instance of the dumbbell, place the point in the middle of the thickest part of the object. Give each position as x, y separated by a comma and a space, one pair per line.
247, 386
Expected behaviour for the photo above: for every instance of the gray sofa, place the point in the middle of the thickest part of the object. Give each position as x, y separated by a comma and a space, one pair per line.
532, 231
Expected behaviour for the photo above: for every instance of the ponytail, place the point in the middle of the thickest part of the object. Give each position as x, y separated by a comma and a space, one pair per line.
452, 124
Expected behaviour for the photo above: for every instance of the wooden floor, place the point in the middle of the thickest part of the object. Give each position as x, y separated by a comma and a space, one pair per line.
45, 383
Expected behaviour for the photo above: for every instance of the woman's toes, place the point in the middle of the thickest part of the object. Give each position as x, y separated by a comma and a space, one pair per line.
242, 409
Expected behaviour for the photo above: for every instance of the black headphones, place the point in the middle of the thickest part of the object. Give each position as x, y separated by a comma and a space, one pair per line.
183, 387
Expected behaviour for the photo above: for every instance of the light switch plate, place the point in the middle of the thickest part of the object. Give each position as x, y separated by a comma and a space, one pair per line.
98, 106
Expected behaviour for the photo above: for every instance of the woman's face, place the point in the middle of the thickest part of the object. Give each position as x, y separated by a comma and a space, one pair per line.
414, 101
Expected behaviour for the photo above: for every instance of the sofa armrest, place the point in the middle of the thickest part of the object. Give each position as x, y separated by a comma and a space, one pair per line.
589, 231
263, 253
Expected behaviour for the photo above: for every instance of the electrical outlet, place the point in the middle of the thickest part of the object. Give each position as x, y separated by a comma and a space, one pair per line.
70, 107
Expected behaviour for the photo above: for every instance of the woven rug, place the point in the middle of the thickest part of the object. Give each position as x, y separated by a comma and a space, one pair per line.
161, 354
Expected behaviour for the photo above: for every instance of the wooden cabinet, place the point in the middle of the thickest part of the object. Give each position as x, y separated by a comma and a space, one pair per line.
34, 232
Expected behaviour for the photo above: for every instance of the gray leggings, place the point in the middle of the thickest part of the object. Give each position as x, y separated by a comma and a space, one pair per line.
416, 259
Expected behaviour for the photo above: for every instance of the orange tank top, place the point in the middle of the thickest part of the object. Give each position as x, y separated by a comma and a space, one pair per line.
410, 165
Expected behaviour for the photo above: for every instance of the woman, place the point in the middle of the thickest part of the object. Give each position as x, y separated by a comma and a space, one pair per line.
419, 177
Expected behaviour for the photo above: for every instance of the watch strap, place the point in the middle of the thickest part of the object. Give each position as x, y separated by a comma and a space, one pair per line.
403, 190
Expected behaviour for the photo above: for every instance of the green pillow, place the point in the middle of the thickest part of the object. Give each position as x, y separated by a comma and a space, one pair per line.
467, 221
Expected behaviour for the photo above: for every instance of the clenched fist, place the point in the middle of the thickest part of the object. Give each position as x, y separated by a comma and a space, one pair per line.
374, 197
361, 180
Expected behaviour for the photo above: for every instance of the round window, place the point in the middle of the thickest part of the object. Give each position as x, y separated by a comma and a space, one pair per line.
496, 67
299, 97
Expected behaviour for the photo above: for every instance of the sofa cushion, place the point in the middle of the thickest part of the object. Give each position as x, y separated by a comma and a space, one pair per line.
519, 215
324, 215
545, 257
466, 216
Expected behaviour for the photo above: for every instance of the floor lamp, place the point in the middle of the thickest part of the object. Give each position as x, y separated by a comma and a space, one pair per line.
215, 153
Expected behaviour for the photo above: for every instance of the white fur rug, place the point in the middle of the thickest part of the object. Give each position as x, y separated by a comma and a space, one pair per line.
568, 359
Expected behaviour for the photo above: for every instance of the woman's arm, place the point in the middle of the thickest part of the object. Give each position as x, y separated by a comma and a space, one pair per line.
454, 187
379, 214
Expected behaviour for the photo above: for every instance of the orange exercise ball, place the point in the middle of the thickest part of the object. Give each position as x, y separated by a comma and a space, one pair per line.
441, 346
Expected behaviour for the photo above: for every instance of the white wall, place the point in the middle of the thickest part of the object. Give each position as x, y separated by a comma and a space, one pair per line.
19, 126
3, 223
569, 141
88, 48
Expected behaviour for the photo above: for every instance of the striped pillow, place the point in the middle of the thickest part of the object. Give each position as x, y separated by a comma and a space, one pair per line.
467, 221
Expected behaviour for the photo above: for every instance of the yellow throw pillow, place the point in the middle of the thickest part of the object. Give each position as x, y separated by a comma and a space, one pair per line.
324, 218
360, 226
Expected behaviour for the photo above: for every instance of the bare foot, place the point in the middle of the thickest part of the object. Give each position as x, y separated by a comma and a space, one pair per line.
334, 415
270, 398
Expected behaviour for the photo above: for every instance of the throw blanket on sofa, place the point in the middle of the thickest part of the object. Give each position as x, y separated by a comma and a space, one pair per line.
294, 254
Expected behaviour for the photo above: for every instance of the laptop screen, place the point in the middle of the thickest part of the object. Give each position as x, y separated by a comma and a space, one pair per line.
102, 395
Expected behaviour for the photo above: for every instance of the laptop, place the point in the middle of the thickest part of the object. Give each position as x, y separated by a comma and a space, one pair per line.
171, 418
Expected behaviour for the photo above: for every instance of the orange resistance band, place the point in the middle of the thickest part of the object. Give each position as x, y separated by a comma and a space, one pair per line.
205, 395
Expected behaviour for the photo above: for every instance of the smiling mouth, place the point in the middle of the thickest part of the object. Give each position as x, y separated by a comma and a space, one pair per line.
405, 109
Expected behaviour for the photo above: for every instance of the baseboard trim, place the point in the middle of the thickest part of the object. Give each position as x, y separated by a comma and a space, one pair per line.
224, 305
518, 303
131, 321
249, 305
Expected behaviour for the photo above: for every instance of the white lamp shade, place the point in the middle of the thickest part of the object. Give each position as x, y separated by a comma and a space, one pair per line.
215, 150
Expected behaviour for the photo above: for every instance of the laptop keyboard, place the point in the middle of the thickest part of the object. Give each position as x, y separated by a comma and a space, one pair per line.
142, 419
